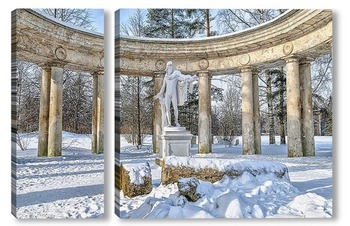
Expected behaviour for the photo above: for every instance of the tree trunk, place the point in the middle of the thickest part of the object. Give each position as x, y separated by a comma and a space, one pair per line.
172, 24
281, 115
139, 140
270, 109
207, 16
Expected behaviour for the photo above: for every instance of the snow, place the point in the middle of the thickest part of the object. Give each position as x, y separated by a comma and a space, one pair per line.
69, 186
306, 194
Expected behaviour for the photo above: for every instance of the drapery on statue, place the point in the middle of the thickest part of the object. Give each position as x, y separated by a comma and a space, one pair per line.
174, 90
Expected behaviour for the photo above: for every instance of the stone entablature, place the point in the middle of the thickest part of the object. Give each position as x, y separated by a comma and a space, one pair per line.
42, 40
305, 33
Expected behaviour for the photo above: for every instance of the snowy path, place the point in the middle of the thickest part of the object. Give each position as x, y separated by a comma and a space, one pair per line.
69, 186
308, 194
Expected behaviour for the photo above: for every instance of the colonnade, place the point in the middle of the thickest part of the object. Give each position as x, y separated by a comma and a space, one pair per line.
50, 113
56, 47
300, 128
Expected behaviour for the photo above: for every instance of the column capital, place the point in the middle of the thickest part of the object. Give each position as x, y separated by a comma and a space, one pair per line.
53, 63
246, 69
203, 73
290, 59
45, 66
255, 71
97, 73
57, 63
306, 60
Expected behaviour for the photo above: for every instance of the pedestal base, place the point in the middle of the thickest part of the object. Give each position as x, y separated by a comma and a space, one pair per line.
175, 141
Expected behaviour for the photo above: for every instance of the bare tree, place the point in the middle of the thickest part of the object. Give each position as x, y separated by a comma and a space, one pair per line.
282, 112
136, 92
207, 21
77, 17
135, 26
232, 20
136, 107
321, 76
229, 110
77, 102
270, 113
28, 93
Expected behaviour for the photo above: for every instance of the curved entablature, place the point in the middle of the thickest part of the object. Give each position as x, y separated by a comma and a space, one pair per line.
299, 33
46, 41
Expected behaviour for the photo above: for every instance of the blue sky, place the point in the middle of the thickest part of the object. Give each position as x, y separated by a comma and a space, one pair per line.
98, 16
125, 14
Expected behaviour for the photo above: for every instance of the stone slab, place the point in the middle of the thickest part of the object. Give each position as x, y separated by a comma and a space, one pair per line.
175, 141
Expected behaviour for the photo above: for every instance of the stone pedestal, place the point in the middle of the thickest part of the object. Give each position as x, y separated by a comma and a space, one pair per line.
175, 141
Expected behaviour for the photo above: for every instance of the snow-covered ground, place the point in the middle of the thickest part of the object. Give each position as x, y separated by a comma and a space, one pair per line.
308, 193
69, 186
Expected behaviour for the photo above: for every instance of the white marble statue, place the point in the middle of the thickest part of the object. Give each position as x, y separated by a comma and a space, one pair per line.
174, 91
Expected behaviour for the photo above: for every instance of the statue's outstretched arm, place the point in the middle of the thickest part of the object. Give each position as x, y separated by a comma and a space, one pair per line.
188, 78
194, 78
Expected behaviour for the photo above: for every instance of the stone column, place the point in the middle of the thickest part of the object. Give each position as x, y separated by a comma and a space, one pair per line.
100, 114
247, 112
204, 116
256, 113
44, 111
157, 113
293, 108
55, 113
94, 113
307, 120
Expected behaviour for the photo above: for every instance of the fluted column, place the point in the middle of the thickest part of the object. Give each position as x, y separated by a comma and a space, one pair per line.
44, 111
307, 120
247, 112
55, 112
293, 108
256, 113
157, 113
204, 116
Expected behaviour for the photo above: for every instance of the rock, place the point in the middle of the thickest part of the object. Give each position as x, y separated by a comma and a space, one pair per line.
170, 174
212, 170
136, 179
188, 188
